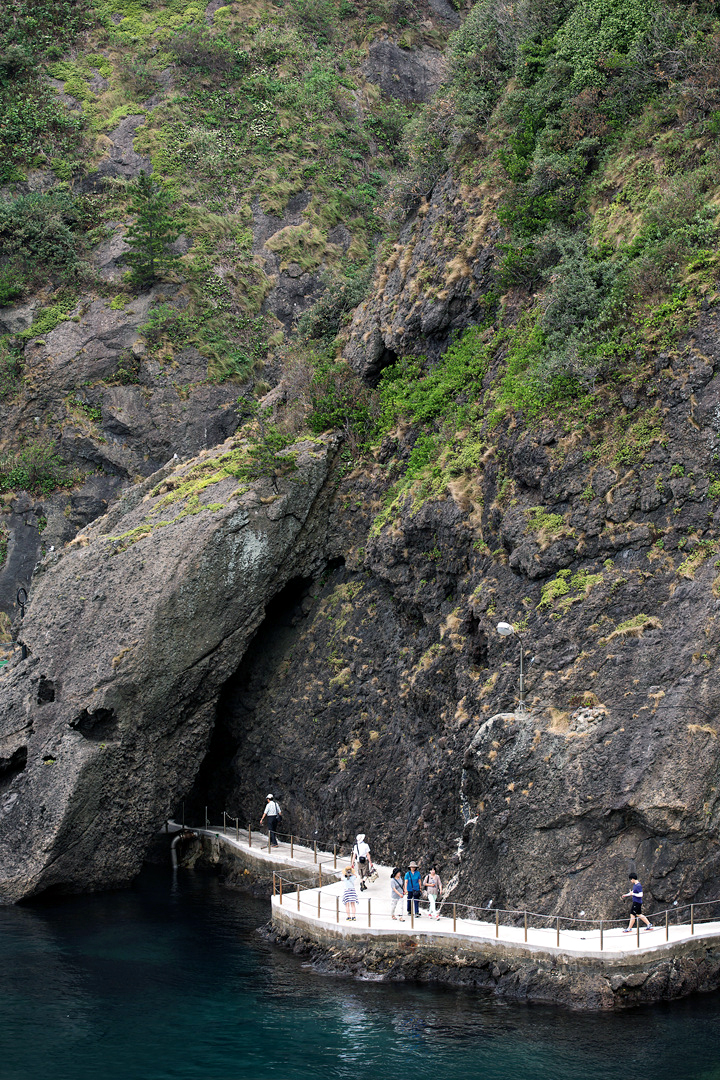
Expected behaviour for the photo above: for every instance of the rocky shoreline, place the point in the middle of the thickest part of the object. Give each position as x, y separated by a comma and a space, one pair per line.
569, 983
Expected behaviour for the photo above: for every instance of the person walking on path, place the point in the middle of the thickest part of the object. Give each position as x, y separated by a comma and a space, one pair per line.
397, 891
433, 884
350, 894
636, 894
361, 860
413, 889
272, 813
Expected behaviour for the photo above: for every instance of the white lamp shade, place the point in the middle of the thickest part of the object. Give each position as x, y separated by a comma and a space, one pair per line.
504, 629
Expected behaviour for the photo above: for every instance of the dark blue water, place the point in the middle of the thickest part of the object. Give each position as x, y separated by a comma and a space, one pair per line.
170, 981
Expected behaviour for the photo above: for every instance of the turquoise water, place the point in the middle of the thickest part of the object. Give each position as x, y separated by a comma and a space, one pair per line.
170, 981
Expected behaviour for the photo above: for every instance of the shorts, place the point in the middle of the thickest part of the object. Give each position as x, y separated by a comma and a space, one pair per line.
636, 908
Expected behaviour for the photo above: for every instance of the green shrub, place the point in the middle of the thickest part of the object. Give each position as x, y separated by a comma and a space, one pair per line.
11, 287
41, 235
598, 34
37, 468
339, 400
316, 17
140, 76
33, 124
406, 390
11, 362
325, 318
197, 49
482, 57
128, 368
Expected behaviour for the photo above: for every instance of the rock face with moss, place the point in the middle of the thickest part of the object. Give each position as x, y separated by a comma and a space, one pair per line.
131, 632
385, 685
530, 405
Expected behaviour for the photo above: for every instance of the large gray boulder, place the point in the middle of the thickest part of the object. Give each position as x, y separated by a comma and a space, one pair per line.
131, 632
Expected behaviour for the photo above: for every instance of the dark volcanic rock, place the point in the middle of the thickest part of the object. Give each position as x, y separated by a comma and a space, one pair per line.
426, 289
411, 75
562, 980
131, 632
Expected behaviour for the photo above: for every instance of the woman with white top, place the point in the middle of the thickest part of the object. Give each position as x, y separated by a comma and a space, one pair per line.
433, 885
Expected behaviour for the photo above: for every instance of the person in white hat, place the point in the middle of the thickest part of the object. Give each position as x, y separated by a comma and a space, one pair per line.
361, 860
272, 813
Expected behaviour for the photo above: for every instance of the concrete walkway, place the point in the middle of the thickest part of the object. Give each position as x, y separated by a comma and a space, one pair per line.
373, 911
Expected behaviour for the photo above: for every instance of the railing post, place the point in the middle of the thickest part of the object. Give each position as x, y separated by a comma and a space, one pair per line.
273, 882
368, 911
320, 876
601, 935
334, 856
249, 836
318, 903
454, 918
315, 850
412, 914
292, 846
692, 918
337, 909
638, 933
526, 925
667, 926
280, 892
497, 923
557, 931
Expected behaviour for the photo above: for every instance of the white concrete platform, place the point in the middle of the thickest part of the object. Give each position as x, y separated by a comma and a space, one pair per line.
373, 912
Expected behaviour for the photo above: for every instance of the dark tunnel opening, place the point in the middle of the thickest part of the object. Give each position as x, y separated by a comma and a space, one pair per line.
240, 696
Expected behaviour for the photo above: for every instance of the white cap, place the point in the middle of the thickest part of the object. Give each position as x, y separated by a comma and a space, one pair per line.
269, 796
360, 837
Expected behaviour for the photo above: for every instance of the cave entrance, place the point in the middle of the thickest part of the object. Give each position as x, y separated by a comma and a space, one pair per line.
386, 359
240, 696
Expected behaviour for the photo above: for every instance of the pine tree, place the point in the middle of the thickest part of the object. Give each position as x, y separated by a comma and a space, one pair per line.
153, 232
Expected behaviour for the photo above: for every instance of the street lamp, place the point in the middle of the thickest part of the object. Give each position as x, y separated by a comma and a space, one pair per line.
505, 629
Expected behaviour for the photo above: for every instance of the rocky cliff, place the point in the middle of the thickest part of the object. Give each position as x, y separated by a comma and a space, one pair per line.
131, 632
527, 396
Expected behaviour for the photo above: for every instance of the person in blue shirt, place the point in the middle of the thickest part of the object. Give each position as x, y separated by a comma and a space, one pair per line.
636, 895
413, 888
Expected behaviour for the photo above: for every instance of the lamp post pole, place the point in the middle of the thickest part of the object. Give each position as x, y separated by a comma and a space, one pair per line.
505, 630
522, 708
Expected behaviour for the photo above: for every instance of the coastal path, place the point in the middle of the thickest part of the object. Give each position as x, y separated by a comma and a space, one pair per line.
307, 893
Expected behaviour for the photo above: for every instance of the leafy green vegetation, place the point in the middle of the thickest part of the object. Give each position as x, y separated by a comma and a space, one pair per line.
11, 364
34, 127
37, 468
43, 235
337, 399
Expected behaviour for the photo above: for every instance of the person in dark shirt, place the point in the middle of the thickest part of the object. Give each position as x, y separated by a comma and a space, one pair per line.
636, 894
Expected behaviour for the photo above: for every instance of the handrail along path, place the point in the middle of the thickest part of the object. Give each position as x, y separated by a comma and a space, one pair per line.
318, 901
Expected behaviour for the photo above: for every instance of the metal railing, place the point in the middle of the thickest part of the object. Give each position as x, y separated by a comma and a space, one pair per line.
259, 838
495, 920
583, 929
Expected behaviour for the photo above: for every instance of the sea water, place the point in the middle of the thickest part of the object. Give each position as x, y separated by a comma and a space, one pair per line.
170, 980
